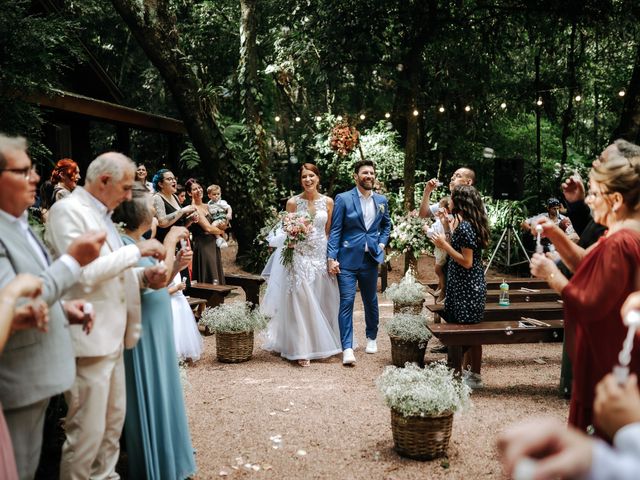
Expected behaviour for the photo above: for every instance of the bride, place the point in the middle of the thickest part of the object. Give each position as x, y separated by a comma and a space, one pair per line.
303, 299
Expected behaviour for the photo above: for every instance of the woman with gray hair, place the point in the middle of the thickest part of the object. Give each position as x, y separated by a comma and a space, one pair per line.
604, 275
156, 428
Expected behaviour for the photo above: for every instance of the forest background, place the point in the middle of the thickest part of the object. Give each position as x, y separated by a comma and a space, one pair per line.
430, 85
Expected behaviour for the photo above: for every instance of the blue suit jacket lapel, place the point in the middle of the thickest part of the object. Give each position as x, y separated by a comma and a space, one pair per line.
357, 206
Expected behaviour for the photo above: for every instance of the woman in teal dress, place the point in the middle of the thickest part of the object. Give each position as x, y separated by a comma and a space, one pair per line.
156, 430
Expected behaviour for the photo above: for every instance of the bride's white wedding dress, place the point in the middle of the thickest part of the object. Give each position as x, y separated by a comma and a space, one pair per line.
302, 300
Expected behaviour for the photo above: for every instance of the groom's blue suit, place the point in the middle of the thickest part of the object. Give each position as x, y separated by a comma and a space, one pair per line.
347, 240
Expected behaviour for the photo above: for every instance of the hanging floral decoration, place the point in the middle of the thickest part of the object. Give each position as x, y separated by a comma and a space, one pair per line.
344, 139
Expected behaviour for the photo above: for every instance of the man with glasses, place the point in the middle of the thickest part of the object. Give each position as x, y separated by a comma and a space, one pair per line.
35, 365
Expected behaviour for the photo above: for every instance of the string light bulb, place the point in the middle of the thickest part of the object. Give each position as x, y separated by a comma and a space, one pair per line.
539, 102
362, 116
339, 118
621, 93
503, 105
297, 119
318, 118
441, 109
415, 113
277, 119
387, 115
467, 108
578, 98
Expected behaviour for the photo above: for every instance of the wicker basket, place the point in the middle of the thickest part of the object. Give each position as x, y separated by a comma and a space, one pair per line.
421, 438
403, 351
234, 347
412, 308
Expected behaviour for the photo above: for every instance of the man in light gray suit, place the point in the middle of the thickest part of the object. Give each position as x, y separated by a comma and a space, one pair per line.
34, 365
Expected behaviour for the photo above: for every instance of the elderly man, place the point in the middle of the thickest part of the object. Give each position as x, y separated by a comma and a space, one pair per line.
35, 365
462, 176
97, 398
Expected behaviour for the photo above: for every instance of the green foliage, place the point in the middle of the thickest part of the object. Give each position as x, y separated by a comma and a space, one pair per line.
421, 392
412, 328
233, 317
380, 143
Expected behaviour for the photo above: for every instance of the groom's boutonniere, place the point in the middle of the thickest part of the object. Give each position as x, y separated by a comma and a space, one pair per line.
381, 208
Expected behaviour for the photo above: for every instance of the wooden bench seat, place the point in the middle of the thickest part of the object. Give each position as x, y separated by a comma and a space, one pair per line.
495, 312
214, 294
514, 283
518, 295
249, 283
197, 305
458, 336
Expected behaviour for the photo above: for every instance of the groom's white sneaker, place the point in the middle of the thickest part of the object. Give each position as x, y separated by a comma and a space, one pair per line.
372, 346
348, 358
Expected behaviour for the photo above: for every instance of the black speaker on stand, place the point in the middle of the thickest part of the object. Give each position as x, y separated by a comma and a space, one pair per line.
508, 184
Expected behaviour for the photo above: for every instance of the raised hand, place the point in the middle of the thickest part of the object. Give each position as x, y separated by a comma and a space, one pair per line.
152, 248
79, 313
561, 452
86, 247
616, 405
430, 186
573, 189
156, 276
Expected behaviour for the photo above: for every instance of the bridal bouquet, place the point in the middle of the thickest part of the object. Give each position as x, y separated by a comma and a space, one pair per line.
408, 235
296, 226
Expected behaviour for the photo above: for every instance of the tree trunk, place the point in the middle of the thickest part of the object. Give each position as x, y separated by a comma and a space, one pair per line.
249, 82
154, 26
629, 127
567, 115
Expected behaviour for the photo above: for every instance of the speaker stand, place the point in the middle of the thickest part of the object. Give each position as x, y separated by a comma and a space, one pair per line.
510, 232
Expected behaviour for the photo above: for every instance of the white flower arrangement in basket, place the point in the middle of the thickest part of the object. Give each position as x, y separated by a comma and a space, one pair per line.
407, 291
233, 317
423, 392
408, 235
407, 327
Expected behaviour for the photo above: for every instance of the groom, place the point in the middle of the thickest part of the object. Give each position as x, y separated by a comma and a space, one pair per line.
360, 227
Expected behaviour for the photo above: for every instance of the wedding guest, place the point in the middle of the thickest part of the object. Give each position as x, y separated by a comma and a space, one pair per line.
462, 176
302, 300
96, 400
168, 210
141, 177
181, 193
64, 178
466, 287
23, 285
221, 212
35, 366
553, 214
207, 260
593, 327
444, 223
188, 340
156, 430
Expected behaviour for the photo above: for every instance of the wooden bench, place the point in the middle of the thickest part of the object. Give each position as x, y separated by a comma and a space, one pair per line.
459, 336
249, 283
494, 312
197, 305
514, 283
214, 294
518, 295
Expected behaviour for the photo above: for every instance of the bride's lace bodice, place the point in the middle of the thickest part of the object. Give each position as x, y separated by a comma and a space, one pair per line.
310, 256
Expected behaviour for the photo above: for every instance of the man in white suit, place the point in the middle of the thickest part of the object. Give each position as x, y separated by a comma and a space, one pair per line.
35, 365
97, 398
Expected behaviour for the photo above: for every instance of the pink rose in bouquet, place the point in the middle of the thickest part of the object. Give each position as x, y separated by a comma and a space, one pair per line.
296, 226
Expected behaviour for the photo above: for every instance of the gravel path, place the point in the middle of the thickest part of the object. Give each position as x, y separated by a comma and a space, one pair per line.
270, 418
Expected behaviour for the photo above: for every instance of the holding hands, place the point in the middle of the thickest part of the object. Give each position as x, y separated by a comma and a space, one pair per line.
333, 266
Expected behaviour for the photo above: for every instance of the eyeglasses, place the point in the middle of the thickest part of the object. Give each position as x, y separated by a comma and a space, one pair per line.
170, 179
26, 172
